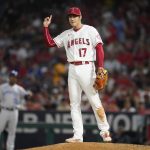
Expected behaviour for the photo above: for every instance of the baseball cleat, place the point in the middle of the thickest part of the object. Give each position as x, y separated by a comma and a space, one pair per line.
106, 136
73, 140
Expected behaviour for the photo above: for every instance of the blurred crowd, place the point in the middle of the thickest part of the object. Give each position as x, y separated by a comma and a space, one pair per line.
124, 27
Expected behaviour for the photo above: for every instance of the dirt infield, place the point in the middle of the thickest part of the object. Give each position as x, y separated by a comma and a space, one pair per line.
92, 146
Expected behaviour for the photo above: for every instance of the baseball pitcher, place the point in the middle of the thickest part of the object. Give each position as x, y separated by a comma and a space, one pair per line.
83, 46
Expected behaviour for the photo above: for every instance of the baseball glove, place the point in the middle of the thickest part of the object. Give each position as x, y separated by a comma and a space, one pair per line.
101, 79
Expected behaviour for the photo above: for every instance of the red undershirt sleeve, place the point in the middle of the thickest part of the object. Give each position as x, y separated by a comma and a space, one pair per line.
48, 39
99, 55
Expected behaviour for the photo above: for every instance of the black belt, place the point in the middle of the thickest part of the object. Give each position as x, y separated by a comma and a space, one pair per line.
80, 62
7, 108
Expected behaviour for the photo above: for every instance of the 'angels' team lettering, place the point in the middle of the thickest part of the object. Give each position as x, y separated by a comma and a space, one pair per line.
78, 41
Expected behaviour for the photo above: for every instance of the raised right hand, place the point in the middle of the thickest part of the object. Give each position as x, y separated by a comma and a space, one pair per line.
47, 21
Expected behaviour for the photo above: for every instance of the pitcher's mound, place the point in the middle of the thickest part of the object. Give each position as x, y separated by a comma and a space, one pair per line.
92, 146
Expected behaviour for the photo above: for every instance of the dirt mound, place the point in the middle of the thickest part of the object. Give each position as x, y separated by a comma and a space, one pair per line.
92, 146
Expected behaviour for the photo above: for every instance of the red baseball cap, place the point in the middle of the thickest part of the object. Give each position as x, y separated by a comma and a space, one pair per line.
74, 11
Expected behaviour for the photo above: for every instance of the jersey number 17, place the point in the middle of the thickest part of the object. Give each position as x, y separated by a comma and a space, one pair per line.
82, 52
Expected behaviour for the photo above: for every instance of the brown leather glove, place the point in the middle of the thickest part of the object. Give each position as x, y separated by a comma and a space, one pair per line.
101, 79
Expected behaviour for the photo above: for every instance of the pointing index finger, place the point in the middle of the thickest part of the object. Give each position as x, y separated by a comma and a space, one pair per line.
50, 17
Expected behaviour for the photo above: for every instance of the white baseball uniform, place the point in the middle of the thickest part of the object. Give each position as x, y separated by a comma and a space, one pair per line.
80, 48
10, 99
